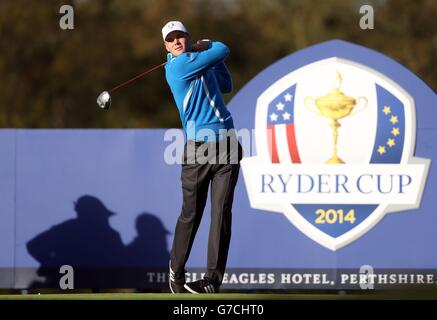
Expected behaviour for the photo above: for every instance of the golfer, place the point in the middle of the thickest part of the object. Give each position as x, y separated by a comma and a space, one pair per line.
198, 77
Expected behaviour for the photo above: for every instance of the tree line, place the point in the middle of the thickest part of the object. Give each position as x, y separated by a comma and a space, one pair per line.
50, 78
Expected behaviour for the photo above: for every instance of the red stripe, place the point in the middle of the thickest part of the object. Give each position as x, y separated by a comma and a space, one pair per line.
271, 141
292, 145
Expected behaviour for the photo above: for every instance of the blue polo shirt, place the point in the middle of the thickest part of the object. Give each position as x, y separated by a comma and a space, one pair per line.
197, 81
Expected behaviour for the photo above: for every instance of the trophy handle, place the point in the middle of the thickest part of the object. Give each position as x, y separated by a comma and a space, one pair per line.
310, 106
358, 109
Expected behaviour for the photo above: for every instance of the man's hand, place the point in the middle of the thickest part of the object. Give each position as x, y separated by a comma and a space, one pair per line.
201, 45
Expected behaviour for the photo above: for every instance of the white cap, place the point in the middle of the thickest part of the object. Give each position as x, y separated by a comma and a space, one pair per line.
173, 26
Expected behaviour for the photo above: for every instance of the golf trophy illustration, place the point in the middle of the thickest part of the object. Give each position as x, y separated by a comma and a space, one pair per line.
335, 105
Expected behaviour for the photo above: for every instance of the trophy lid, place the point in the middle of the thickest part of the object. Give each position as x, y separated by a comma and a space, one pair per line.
335, 98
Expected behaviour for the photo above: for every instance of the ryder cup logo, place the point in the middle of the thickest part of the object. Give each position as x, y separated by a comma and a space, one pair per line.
335, 150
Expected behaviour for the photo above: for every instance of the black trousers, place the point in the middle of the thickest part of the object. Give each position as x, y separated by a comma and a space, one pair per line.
220, 172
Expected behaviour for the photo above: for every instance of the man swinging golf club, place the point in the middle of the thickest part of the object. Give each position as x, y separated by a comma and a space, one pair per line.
197, 77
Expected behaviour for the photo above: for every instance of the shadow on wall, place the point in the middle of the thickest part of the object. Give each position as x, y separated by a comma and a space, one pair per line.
96, 252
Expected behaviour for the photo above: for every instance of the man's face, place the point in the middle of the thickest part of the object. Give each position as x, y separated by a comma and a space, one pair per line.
177, 42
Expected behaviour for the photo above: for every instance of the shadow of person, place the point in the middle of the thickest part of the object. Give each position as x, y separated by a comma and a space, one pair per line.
87, 243
149, 248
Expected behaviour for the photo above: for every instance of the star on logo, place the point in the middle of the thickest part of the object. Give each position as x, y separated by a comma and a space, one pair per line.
288, 97
394, 119
395, 132
286, 116
391, 142
386, 110
273, 117
280, 106
381, 150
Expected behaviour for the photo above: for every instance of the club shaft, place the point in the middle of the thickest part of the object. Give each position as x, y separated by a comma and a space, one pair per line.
142, 74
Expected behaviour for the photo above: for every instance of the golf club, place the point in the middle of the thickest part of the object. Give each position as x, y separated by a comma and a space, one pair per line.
104, 99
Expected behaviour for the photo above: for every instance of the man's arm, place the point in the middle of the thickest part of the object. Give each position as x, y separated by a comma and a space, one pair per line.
223, 77
192, 64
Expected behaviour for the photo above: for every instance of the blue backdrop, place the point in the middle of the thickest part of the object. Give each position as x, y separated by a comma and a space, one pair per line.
44, 172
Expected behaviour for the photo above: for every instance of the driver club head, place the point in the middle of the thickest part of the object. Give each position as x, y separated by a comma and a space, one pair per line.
104, 100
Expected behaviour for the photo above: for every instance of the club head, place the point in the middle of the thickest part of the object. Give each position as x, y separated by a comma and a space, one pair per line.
104, 100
